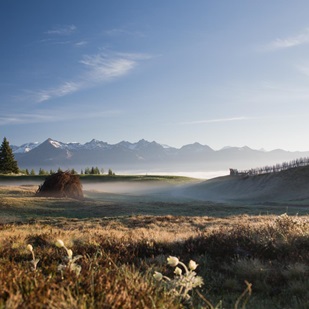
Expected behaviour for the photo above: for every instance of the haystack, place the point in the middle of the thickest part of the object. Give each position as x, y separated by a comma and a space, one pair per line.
61, 184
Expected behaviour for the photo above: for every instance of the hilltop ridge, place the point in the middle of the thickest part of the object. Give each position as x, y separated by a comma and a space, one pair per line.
290, 186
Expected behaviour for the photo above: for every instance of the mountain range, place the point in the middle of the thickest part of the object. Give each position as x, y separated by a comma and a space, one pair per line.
145, 155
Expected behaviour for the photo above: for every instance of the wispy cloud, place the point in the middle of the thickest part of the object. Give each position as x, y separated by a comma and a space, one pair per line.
62, 30
60, 41
102, 67
81, 43
59, 91
288, 42
215, 120
62, 35
120, 31
9, 119
47, 116
98, 68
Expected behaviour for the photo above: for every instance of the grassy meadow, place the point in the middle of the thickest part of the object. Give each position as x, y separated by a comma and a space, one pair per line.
124, 236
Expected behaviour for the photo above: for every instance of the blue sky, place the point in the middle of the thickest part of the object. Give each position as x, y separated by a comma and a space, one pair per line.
221, 73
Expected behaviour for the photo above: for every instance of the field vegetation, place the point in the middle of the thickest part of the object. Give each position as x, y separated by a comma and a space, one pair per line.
124, 239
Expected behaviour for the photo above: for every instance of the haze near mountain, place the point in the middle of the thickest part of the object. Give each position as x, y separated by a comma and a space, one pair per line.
145, 156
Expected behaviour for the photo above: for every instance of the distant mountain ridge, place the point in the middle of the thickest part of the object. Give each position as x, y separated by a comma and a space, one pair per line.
145, 155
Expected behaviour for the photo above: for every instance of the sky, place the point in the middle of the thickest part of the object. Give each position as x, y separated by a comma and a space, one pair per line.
221, 73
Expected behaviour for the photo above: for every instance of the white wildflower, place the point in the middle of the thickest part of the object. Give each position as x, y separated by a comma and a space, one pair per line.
185, 279
158, 276
192, 265
71, 265
59, 243
177, 271
70, 253
75, 268
172, 261
197, 281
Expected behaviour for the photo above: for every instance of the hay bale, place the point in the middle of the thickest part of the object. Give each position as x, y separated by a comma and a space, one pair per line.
61, 184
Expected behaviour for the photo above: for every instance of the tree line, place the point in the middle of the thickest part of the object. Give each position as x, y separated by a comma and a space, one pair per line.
271, 168
87, 171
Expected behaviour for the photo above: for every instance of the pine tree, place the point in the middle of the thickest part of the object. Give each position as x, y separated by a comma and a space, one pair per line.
7, 161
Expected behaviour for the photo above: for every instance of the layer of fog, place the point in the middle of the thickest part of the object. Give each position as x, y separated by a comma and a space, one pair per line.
130, 188
197, 175
151, 187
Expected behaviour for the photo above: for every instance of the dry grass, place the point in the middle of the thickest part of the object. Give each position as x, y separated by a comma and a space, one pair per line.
119, 256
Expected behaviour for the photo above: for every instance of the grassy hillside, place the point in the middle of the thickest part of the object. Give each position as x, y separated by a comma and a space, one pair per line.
290, 187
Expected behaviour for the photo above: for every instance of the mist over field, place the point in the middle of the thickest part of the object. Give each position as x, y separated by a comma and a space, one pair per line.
193, 174
128, 187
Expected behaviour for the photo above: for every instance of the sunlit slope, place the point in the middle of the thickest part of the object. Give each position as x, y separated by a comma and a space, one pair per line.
290, 185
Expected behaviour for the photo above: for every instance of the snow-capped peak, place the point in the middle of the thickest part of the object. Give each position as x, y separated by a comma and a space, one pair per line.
25, 147
226, 147
67, 146
56, 144
244, 148
166, 146
94, 143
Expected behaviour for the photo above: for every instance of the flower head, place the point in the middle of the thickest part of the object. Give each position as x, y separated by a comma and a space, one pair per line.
197, 281
177, 271
192, 265
59, 243
75, 268
172, 261
158, 276
70, 253
30, 248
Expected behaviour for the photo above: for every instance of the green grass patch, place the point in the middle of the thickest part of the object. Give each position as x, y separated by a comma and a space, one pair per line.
105, 178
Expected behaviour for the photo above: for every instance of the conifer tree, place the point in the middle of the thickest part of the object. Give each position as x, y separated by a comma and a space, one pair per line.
7, 161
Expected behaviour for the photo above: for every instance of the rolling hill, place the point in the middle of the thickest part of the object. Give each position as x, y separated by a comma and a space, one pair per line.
291, 186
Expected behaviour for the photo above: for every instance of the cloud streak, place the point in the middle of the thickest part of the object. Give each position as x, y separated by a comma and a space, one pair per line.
98, 68
59, 91
120, 32
288, 42
53, 116
214, 120
62, 30
102, 67
80, 43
